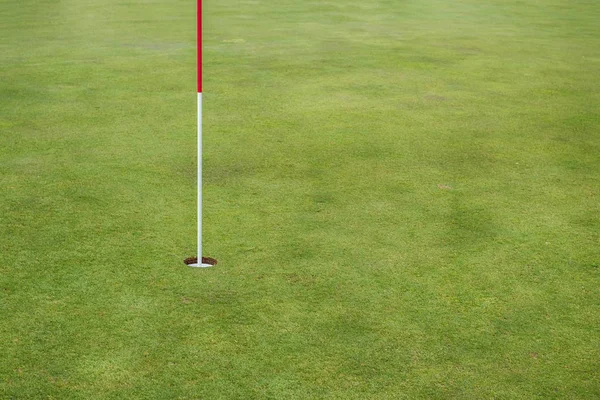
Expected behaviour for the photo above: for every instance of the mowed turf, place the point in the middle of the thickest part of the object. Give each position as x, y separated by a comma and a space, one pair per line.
403, 196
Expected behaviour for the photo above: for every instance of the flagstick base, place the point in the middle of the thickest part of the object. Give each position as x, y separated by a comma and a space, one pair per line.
206, 262
199, 266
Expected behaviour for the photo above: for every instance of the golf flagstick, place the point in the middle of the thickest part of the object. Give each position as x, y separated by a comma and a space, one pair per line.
199, 261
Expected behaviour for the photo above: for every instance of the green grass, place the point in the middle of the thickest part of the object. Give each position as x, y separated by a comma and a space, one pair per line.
403, 196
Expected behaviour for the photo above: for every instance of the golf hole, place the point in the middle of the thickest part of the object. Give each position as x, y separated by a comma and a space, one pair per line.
206, 262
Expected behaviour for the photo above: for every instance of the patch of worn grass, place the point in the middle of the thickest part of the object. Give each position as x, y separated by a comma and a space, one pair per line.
402, 196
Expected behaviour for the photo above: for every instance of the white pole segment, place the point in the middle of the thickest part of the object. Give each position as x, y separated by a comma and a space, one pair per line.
200, 179
200, 264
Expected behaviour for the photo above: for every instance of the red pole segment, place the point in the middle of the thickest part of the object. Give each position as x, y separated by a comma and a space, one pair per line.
199, 44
